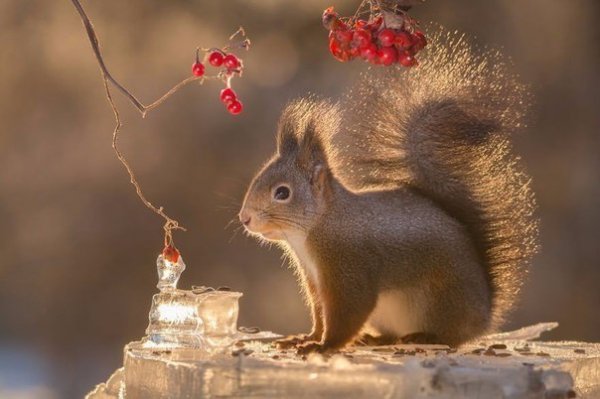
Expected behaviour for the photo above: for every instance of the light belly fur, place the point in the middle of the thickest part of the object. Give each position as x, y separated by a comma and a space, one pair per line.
297, 243
397, 313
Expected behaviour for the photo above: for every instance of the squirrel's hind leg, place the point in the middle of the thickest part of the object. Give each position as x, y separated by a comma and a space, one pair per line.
460, 309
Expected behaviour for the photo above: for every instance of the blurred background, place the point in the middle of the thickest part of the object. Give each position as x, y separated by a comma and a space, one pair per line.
78, 249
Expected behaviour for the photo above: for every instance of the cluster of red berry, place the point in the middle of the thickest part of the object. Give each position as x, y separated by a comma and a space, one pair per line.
232, 65
372, 40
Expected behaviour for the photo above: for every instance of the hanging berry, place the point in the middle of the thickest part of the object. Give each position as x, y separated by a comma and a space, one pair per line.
215, 58
387, 36
229, 98
229, 66
228, 95
235, 107
231, 62
170, 253
198, 69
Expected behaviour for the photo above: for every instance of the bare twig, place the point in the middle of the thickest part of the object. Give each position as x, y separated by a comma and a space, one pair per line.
170, 224
358, 11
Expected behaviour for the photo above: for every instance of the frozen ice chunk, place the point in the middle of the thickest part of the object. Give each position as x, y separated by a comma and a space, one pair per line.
168, 272
218, 310
420, 372
201, 318
174, 320
523, 334
114, 388
512, 370
180, 318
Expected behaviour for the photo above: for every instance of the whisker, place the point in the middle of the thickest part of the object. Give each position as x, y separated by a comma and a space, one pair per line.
307, 214
235, 232
292, 222
289, 222
233, 220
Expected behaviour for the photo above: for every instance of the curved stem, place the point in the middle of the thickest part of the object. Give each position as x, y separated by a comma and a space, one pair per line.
170, 224
96, 47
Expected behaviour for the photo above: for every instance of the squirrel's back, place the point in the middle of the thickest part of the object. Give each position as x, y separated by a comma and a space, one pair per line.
443, 128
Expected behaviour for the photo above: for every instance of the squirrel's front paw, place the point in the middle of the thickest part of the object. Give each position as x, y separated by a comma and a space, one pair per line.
310, 347
315, 347
291, 341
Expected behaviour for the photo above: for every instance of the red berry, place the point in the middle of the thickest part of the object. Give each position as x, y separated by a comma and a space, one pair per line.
353, 52
336, 49
361, 23
387, 55
216, 58
198, 68
386, 37
171, 254
228, 95
347, 54
419, 41
406, 59
235, 107
403, 40
334, 46
369, 52
231, 61
339, 25
344, 36
375, 24
362, 38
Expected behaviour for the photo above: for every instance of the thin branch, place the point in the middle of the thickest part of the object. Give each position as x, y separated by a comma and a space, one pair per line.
170, 224
96, 47
170, 93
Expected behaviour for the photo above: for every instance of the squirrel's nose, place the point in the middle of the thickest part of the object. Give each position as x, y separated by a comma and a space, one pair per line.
245, 218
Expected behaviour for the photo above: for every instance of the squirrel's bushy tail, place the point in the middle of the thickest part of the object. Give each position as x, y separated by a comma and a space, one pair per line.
443, 128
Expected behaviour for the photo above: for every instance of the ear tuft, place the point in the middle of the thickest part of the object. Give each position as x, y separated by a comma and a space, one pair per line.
305, 127
287, 141
312, 151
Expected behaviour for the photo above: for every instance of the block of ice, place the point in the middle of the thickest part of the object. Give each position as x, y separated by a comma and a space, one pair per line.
201, 318
523, 334
180, 318
168, 272
113, 388
508, 369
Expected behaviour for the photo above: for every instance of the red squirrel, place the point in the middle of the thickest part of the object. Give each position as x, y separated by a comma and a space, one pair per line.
403, 208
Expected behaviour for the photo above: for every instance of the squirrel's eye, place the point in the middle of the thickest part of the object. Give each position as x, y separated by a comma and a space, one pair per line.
281, 193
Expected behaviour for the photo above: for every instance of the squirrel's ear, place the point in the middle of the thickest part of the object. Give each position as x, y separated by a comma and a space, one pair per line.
287, 142
317, 179
311, 156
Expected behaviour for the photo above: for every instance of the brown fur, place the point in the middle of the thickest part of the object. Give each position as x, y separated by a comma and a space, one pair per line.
416, 192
